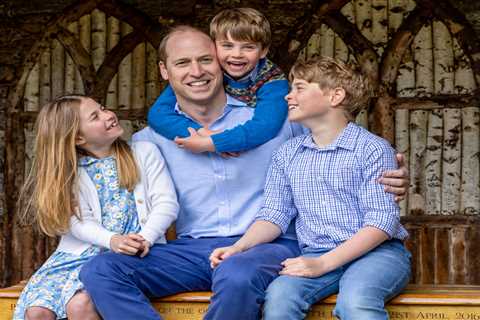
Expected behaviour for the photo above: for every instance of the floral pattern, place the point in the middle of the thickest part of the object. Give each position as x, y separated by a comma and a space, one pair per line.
57, 280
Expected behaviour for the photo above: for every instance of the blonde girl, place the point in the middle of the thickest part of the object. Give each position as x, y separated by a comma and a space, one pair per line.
95, 191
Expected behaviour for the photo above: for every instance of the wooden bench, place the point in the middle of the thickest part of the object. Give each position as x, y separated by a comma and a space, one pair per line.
417, 302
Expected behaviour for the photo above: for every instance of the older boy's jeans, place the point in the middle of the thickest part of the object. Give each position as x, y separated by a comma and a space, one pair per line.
120, 285
363, 285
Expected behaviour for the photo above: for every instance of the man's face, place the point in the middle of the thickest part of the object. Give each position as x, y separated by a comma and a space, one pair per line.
192, 68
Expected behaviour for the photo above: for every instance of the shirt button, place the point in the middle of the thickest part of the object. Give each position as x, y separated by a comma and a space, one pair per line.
140, 201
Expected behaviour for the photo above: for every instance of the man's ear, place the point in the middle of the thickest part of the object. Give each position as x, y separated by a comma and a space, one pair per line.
337, 96
163, 70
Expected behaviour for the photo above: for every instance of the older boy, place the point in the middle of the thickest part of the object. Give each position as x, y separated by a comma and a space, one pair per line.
347, 226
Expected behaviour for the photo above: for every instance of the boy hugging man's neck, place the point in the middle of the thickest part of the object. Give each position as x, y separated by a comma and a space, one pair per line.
242, 37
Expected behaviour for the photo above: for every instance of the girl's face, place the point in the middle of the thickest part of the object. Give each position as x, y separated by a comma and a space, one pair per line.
99, 128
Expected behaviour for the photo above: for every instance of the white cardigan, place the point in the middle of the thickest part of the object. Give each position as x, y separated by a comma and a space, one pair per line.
155, 198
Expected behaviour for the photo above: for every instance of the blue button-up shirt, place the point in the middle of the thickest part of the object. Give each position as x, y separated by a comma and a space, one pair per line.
218, 197
332, 192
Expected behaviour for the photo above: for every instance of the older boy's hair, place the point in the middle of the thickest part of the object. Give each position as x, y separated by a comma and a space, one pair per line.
330, 73
162, 47
242, 24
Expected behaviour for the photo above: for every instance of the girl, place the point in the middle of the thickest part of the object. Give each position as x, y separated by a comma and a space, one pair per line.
98, 193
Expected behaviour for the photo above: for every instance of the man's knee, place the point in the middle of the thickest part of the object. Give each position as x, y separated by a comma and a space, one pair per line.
236, 274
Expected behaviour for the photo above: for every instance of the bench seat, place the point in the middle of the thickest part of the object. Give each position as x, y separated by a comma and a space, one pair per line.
416, 302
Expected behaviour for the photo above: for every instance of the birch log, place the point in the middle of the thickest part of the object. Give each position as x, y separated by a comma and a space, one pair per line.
313, 45
152, 83
70, 69
138, 77
327, 45
58, 68
113, 37
443, 59
45, 80
451, 161
433, 163
396, 10
363, 17
424, 61
125, 74
31, 99
470, 183
402, 144
379, 25
463, 76
98, 36
85, 40
418, 141
341, 49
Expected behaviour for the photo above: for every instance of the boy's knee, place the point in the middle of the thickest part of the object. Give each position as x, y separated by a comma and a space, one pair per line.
39, 313
359, 306
284, 301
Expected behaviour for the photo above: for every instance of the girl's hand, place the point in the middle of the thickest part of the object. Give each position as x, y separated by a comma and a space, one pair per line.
304, 267
146, 248
396, 181
127, 244
220, 254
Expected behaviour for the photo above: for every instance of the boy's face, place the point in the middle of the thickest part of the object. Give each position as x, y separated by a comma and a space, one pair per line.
238, 58
306, 101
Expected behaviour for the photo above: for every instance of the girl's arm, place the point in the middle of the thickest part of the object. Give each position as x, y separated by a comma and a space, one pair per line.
160, 191
165, 121
362, 242
270, 114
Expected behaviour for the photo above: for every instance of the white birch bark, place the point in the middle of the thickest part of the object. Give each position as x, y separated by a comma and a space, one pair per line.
58, 68
363, 17
433, 163
402, 144
125, 74
418, 141
313, 45
138, 75
451, 169
341, 49
32, 93
327, 42
424, 61
464, 78
99, 41
152, 84
470, 188
113, 37
406, 76
379, 25
443, 59
45, 78
396, 11
70, 68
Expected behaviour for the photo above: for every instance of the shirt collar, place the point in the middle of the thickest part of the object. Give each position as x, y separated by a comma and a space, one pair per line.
346, 140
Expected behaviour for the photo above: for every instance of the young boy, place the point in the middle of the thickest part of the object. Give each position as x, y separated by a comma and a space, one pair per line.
242, 37
347, 226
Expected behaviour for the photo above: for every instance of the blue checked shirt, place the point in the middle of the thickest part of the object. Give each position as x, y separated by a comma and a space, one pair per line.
331, 192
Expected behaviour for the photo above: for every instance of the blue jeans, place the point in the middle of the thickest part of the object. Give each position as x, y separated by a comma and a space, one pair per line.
363, 286
120, 284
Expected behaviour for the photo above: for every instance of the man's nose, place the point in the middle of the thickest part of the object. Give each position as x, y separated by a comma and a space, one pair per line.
196, 69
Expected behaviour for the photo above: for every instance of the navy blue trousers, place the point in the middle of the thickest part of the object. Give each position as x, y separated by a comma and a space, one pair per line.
120, 284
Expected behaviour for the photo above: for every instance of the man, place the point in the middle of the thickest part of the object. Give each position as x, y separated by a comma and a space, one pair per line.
219, 198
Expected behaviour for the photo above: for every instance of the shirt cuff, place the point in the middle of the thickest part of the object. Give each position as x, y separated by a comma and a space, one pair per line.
386, 223
274, 216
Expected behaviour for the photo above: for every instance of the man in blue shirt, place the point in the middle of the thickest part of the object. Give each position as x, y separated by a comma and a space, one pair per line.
219, 199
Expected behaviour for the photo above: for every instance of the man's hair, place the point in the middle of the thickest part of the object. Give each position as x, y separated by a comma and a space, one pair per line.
329, 74
162, 47
242, 24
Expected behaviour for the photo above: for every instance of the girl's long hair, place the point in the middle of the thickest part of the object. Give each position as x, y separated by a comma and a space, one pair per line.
49, 195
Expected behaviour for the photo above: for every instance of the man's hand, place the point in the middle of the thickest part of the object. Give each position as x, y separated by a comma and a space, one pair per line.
196, 143
220, 254
129, 244
396, 181
304, 267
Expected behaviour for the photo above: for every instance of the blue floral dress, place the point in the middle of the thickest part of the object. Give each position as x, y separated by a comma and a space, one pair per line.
55, 283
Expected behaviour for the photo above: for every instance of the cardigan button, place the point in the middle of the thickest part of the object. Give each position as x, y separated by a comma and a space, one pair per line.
140, 201
143, 221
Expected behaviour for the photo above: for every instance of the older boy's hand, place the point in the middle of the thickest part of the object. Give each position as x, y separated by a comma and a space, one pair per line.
195, 143
146, 248
396, 181
304, 267
220, 254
